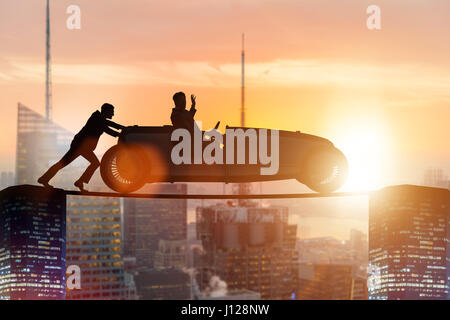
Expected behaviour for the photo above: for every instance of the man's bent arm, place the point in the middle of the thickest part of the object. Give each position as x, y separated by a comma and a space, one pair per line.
112, 132
110, 123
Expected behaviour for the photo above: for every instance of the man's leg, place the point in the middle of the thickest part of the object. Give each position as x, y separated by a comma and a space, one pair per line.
71, 155
87, 175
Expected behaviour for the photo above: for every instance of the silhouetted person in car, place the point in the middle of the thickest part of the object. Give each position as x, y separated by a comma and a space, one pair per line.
84, 144
182, 118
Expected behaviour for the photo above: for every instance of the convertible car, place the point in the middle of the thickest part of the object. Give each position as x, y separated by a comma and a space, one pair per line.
143, 155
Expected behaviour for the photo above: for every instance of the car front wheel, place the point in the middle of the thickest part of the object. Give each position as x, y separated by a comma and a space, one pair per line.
123, 169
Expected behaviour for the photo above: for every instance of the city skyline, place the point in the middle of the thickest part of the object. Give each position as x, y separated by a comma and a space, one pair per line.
380, 96
365, 92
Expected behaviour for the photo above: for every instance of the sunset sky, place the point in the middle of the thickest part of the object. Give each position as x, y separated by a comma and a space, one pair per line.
382, 96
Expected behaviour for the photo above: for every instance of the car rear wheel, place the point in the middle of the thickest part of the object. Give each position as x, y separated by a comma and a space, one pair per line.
325, 170
123, 169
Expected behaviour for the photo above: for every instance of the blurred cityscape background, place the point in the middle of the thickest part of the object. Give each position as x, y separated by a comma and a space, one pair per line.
393, 243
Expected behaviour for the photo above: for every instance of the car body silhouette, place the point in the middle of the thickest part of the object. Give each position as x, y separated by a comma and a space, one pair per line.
143, 155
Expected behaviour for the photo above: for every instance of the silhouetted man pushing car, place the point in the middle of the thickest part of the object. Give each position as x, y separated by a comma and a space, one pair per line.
84, 144
182, 118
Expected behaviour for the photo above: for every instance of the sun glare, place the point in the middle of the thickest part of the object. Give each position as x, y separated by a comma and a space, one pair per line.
364, 145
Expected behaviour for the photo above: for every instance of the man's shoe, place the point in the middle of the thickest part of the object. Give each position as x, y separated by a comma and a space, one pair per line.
44, 183
80, 185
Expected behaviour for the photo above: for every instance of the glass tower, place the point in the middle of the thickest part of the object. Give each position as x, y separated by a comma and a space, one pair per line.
40, 143
408, 243
94, 243
32, 243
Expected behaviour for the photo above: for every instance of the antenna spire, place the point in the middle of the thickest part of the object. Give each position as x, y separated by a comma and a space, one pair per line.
243, 83
243, 188
48, 73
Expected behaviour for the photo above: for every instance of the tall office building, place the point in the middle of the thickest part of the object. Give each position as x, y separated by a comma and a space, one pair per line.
409, 243
32, 243
329, 282
249, 248
40, 143
94, 243
147, 221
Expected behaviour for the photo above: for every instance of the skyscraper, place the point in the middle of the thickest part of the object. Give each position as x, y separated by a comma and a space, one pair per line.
330, 282
94, 243
40, 143
249, 248
32, 243
324, 282
409, 243
147, 221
